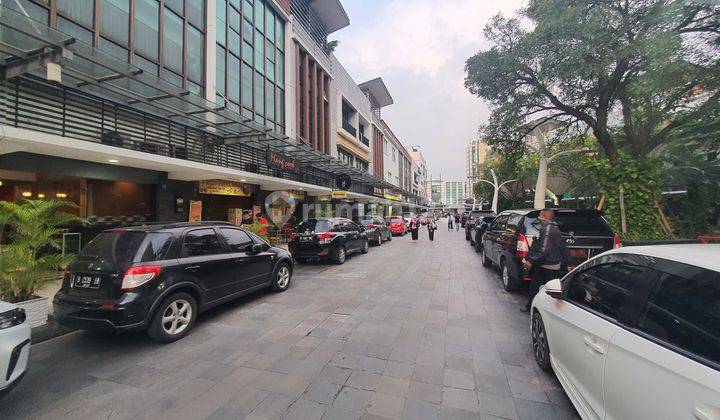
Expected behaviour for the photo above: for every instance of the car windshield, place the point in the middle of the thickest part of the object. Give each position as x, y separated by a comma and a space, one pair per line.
128, 246
314, 226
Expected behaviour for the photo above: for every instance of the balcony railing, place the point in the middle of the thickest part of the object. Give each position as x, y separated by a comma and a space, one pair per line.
349, 128
364, 140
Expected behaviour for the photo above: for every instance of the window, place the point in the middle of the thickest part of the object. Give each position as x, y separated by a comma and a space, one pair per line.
76, 31
237, 240
259, 57
220, 18
269, 100
246, 85
220, 70
259, 14
338, 227
201, 242
113, 49
196, 54
172, 41
77, 10
196, 13
156, 246
115, 19
147, 17
685, 311
259, 93
35, 12
233, 80
499, 223
605, 288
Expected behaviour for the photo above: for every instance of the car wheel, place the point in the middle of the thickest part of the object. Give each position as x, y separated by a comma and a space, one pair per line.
174, 318
340, 255
379, 240
281, 281
467, 236
541, 349
486, 262
389, 237
478, 246
366, 247
509, 283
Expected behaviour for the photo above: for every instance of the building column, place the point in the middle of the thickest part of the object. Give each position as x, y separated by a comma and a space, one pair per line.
306, 96
210, 50
314, 102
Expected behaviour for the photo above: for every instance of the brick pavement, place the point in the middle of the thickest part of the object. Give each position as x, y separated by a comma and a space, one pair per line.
410, 330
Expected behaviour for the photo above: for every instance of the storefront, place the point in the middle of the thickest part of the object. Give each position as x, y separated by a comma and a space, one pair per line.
227, 201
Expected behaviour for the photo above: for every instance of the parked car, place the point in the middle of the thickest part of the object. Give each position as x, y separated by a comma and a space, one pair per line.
635, 333
160, 277
478, 230
376, 229
472, 218
397, 225
463, 218
14, 346
331, 238
508, 239
407, 217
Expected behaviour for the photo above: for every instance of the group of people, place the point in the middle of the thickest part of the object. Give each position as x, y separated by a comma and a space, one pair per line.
453, 220
415, 225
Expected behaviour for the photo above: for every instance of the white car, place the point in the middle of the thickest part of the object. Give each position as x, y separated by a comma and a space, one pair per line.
14, 346
634, 333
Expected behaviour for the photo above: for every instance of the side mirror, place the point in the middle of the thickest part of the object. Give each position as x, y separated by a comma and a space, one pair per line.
554, 288
256, 249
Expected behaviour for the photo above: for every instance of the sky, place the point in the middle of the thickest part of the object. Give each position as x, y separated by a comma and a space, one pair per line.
419, 48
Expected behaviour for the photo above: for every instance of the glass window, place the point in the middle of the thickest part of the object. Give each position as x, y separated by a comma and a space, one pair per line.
172, 41
259, 14
247, 31
35, 12
79, 11
75, 31
270, 70
234, 19
259, 94
156, 246
269, 51
196, 54
269, 100
234, 42
194, 88
147, 17
220, 18
220, 70
279, 34
248, 9
173, 78
280, 113
605, 288
233, 83
312, 225
176, 5
113, 49
235, 3
280, 69
247, 53
685, 312
246, 86
201, 242
237, 240
146, 65
196, 13
270, 24
115, 19
259, 56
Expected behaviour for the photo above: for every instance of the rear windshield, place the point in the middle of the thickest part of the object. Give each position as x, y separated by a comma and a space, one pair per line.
315, 226
128, 246
578, 223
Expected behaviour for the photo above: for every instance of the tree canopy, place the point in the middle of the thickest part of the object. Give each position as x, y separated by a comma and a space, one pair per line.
632, 73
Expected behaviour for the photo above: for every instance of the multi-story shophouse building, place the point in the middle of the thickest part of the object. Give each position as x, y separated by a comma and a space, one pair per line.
418, 170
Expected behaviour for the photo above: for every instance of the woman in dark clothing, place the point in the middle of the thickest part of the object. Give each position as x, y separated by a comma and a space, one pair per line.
414, 226
431, 229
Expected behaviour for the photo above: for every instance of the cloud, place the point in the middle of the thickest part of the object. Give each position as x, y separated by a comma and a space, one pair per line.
419, 48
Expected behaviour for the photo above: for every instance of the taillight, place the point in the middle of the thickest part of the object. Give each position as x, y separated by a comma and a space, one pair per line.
293, 235
522, 246
325, 237
616, 242
137, 276
371, 226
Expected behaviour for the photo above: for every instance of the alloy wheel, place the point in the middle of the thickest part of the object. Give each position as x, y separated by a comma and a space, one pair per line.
283, 277
341, 255
505, 275
539, 341
177, 317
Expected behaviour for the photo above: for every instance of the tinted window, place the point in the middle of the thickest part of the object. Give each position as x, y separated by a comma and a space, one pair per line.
124, 246
237, 240
350, 227
337, 227
685, 311
499, 223
201, 242
605, 288
582, 223
314, 226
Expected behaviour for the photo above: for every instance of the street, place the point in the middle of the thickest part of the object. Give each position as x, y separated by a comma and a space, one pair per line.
413, 330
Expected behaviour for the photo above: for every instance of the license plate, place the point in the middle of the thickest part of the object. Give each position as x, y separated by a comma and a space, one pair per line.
86, 282
306, 239
578, 253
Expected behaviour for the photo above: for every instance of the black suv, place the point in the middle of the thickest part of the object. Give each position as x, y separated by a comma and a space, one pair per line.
159, 277
332, 238
472, 217
478, 230
507, 241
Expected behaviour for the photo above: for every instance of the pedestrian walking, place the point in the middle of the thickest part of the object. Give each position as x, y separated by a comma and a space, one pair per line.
457, 221
432, 227
450, 222
414, 226
546, 255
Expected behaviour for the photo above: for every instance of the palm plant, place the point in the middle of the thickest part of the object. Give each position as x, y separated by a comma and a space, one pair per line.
27, 260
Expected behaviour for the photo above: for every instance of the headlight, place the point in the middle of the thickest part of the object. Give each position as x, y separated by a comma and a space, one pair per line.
12, 318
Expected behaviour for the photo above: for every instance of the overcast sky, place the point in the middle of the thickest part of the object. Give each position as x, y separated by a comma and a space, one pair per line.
419, 48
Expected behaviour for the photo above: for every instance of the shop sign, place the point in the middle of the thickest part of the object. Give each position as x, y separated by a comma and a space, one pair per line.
296, 194
339, 194
281, 162
224, 187
195, 211
324, 198
392, 195
378, 192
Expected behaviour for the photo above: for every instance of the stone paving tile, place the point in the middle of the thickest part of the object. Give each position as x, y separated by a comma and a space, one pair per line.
411, 330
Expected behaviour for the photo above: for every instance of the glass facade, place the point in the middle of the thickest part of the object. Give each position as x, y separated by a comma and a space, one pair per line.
130, 30
250, 54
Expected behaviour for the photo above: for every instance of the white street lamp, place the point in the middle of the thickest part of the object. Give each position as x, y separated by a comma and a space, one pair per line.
496, 187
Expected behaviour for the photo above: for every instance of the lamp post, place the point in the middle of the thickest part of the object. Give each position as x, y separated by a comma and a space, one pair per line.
496, 187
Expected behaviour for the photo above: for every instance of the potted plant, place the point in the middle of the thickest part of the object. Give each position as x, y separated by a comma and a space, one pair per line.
29, 255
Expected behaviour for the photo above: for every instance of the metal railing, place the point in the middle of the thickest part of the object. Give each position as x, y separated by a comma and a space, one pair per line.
364, 140
349, 128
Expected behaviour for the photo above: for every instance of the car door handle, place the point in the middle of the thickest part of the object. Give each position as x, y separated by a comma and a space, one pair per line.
192, 268
704, 412
592, 345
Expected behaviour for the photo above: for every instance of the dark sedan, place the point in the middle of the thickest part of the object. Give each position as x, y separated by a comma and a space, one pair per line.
376, 229
332, 238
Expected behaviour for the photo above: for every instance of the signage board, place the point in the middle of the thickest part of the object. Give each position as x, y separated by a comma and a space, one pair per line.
296, 194
224, 187
281, 162
195, 211
339, 194
378, 192
392, 195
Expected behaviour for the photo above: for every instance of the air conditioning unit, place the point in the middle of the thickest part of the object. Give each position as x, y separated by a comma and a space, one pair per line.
112, 138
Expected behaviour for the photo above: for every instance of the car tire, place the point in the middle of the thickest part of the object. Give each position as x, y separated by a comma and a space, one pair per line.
366, 247
467, 235
509, 283
478, 246
541, 349
282, 278
340, 255
486, 262
379, 240
173, 312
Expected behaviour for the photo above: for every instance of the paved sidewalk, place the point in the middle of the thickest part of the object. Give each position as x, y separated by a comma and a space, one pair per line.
411, 330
